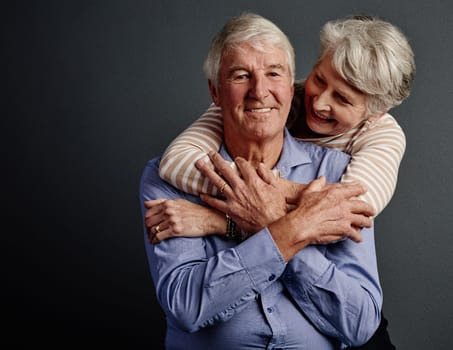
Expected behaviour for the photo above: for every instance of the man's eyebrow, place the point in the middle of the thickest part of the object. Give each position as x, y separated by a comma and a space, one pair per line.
280, 66
236, 68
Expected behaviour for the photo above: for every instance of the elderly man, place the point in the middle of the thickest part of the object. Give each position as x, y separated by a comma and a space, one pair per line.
276, 289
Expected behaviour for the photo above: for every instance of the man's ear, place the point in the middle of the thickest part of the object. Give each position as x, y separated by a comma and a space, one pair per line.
214, 93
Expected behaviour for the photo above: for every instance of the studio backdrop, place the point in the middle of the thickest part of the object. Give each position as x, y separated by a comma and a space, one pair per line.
96, 88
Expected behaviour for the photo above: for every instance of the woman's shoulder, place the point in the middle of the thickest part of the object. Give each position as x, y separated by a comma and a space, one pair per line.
387, 121
382, 133
385, 126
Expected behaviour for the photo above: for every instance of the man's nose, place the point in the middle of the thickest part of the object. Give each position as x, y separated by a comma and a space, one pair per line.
259, 88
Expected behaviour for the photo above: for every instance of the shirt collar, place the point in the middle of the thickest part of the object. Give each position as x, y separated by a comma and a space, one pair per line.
291, 155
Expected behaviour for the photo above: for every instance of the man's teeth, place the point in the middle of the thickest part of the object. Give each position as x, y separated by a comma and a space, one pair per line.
260, 110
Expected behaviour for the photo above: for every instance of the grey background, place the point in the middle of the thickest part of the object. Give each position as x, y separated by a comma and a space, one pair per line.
95, 88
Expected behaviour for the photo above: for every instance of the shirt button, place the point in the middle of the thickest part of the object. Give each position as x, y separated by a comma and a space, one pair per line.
271, 277
269, 309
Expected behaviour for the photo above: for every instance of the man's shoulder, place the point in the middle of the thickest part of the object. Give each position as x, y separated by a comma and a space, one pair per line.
152, 186
152, 166
150, 181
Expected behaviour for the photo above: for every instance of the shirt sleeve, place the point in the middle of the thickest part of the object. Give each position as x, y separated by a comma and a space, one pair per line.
197, 288
337, 286
376, 157
178, 162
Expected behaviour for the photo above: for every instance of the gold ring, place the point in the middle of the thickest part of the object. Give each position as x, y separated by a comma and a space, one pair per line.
157, 229
223, 187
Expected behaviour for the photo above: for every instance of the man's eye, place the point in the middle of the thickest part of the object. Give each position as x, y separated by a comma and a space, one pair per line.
242, 76
274, 74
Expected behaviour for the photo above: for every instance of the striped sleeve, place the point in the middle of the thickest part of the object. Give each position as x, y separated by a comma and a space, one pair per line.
376, 157
178, 161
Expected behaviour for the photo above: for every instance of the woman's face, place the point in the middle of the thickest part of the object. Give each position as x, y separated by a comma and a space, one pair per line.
332, 105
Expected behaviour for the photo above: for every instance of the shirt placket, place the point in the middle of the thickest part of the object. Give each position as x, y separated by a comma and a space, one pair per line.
269, 304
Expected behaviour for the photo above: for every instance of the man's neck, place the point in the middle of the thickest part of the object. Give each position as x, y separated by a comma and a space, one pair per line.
267, 152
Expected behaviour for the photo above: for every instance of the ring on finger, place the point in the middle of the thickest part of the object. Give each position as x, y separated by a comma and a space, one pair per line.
222, 189
157, 229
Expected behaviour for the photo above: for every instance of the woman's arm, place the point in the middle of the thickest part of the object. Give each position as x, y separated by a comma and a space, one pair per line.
376, 157
178, 162
376, 151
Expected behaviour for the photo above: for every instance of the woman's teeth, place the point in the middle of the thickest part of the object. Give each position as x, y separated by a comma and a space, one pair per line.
322, 117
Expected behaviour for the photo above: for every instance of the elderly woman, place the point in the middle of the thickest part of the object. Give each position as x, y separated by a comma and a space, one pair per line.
365, 68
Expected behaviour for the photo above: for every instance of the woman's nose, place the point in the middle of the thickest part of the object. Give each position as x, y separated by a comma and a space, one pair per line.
322, 101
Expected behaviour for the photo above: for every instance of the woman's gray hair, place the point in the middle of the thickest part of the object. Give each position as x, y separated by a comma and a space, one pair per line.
252, 29
373, 56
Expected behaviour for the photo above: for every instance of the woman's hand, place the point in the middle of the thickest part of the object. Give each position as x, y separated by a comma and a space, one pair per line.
166, 218
253, 200
325, 213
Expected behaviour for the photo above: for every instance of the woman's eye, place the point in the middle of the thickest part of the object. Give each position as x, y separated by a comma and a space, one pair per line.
343, 100
319, 79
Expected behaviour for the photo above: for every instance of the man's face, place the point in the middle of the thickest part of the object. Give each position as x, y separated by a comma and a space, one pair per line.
254, 91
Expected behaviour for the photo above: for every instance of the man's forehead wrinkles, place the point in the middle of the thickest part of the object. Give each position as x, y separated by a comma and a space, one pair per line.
278, 66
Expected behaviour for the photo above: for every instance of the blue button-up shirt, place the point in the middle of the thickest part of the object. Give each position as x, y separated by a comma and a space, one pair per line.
219, 294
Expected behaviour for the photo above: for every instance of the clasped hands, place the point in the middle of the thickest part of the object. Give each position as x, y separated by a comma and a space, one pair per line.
320, 212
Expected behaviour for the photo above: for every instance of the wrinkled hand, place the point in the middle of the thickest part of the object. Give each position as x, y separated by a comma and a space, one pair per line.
292, 190
253, 201
166, 218
325, 213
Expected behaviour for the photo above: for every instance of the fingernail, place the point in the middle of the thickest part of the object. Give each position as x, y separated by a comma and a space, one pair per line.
199, 163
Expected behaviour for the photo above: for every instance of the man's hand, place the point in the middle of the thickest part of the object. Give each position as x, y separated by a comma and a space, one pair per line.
325, 213
253, 199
